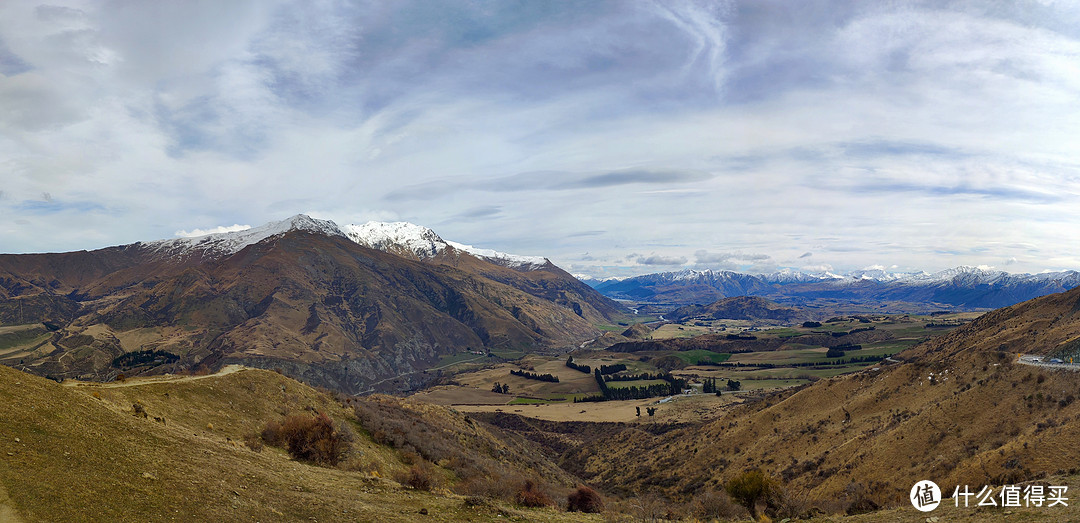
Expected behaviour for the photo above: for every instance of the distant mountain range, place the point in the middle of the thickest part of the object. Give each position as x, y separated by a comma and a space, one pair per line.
958, 288
353, 308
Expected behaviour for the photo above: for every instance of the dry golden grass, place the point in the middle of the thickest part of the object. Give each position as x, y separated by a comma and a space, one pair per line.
78, 454
681, 409
960, 412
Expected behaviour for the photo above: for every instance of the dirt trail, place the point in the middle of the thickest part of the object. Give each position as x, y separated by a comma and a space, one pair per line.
7, 511
135, 382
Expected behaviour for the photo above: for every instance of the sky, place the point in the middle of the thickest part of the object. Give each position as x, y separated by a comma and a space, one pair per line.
615, 138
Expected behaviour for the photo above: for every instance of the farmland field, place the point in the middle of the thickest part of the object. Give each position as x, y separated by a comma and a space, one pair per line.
797, 359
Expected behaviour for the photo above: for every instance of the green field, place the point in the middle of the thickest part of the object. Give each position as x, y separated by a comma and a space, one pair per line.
756, 384
693, 357
508, 354
461, 357
783, 332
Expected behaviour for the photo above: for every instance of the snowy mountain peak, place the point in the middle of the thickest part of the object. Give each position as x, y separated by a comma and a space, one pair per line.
514, 261
226, 243
404, 238
400, 238
690, 274
397, 237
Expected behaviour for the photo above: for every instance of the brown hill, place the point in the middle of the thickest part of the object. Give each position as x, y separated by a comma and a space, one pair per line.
318, 306
77, 453
637, 331
958, 410
739, 308
547, 282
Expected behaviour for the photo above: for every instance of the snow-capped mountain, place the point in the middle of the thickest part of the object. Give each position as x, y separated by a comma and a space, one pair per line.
516, 261
397, 237
406, 238
401, 238
227, 243
594, 282
962, 287
274, 296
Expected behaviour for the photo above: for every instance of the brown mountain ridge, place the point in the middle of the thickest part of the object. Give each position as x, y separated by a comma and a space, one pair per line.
312, 303
959, 410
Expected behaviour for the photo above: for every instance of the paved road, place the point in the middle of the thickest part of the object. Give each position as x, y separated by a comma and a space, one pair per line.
1038, 361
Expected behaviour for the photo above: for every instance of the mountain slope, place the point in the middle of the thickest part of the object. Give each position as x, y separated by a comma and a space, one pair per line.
533, 274
77, 453
958, 410
961, 287
297, 295
739, 308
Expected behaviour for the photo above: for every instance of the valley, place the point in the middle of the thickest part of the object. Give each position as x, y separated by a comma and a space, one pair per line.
517, 388
761, 357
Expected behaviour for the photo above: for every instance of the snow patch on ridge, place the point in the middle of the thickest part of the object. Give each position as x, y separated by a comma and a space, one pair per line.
226, 243
422, 242
396, 236
516, 261
401, 238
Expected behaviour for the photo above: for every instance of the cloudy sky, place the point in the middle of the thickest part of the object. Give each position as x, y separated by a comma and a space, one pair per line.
613, 137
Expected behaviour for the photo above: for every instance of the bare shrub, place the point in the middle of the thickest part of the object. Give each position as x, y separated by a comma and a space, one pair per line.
310, 438
712, 504
494, 485
411, 458
784, 503
530, 495
859, 500
650, 507
419, 477
253, 442
585, 499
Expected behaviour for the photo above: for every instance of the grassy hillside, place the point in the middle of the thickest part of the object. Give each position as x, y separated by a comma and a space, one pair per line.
77, 453
958, 410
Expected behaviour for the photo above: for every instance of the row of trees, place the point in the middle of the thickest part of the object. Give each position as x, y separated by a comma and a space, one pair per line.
671, 386
582, 368
612, 369
636, 377
534, 376
710, 386
843, 361
852, 331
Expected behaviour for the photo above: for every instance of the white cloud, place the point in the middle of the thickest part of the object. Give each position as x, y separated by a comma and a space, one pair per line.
215, 230
926, 137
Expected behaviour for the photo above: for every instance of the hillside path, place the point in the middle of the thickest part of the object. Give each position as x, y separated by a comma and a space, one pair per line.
168, 378
7, 510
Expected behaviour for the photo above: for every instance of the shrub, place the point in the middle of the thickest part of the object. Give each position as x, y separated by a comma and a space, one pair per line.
749, 488
419, 477
495, 484
253, 442
310, 438
530, 495
712, 505
585, 499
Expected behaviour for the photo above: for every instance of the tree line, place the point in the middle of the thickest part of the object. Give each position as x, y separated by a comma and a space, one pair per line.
842, 361
582, 368
710, 386
672, 386
612, 369
534, 376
